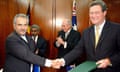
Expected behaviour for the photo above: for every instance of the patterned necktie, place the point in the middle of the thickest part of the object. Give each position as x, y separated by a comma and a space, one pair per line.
34, 37
97, 35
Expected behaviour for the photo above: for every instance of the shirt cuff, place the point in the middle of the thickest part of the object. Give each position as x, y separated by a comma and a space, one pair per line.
48, 63
57, 44
110, 65
65, 45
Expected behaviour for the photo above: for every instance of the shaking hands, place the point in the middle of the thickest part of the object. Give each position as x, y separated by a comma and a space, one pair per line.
57, 63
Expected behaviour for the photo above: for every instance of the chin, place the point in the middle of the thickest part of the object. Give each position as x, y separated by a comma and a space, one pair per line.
22, 33
94, 22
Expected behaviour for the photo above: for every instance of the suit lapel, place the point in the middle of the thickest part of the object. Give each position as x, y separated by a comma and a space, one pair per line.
29, 43
92, 37
26, 44
70, 34
104, 33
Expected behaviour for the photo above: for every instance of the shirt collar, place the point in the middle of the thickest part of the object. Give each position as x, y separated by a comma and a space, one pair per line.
101, 25
68, 31
24, 37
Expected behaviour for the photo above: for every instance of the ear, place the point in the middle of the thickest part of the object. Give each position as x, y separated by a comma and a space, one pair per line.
14, 26
105, 12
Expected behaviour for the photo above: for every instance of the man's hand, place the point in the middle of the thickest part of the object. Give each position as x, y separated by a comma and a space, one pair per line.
103, 63
60, 40
57, 63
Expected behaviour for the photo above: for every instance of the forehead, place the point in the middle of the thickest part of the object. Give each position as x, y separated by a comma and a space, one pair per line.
95, 8
65, 23
21, 20
34, 29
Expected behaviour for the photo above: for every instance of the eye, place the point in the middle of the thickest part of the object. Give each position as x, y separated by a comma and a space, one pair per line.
19, 24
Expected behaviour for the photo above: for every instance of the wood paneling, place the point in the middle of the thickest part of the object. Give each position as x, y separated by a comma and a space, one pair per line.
113, 10
8, 9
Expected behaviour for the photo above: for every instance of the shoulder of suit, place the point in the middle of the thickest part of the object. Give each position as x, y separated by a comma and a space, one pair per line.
12, 36
75, 31
41, 38
114, 24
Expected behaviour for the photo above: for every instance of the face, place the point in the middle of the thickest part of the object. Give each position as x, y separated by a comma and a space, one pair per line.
65, 26
34, 31
96, 14
21, 26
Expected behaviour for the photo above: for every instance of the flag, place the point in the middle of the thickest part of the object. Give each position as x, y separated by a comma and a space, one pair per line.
74, 20
29, 14
36, 68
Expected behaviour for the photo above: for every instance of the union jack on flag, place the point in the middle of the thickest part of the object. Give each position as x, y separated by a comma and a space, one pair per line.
74, 20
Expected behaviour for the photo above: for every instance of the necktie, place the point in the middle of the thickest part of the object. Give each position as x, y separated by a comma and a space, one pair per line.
66, 34
97, 35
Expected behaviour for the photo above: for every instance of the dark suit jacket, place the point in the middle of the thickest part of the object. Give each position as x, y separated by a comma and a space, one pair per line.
72, 40
20, 54
42, 46
108, 46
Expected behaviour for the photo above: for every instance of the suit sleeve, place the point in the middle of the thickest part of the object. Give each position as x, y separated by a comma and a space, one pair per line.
115, 59
75, 52
21, 51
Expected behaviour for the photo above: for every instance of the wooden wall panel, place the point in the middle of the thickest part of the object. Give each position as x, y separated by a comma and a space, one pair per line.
8, 9
3, 21
113, 10
82, 14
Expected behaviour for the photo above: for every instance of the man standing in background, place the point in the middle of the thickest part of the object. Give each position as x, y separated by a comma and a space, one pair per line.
67, 39
40, 44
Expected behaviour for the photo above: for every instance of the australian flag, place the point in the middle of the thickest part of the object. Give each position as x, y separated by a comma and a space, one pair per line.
74, 20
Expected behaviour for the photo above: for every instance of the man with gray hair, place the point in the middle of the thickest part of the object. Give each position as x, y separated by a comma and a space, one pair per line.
20, 48
67, 39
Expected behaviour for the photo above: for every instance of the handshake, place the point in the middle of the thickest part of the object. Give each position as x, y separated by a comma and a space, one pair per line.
57, 63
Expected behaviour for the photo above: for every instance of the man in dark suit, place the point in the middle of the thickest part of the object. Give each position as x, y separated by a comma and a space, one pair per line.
106, 52
67, 39
20, 48
40, 42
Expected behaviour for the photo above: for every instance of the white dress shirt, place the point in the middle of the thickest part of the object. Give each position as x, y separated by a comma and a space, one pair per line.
100, 28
